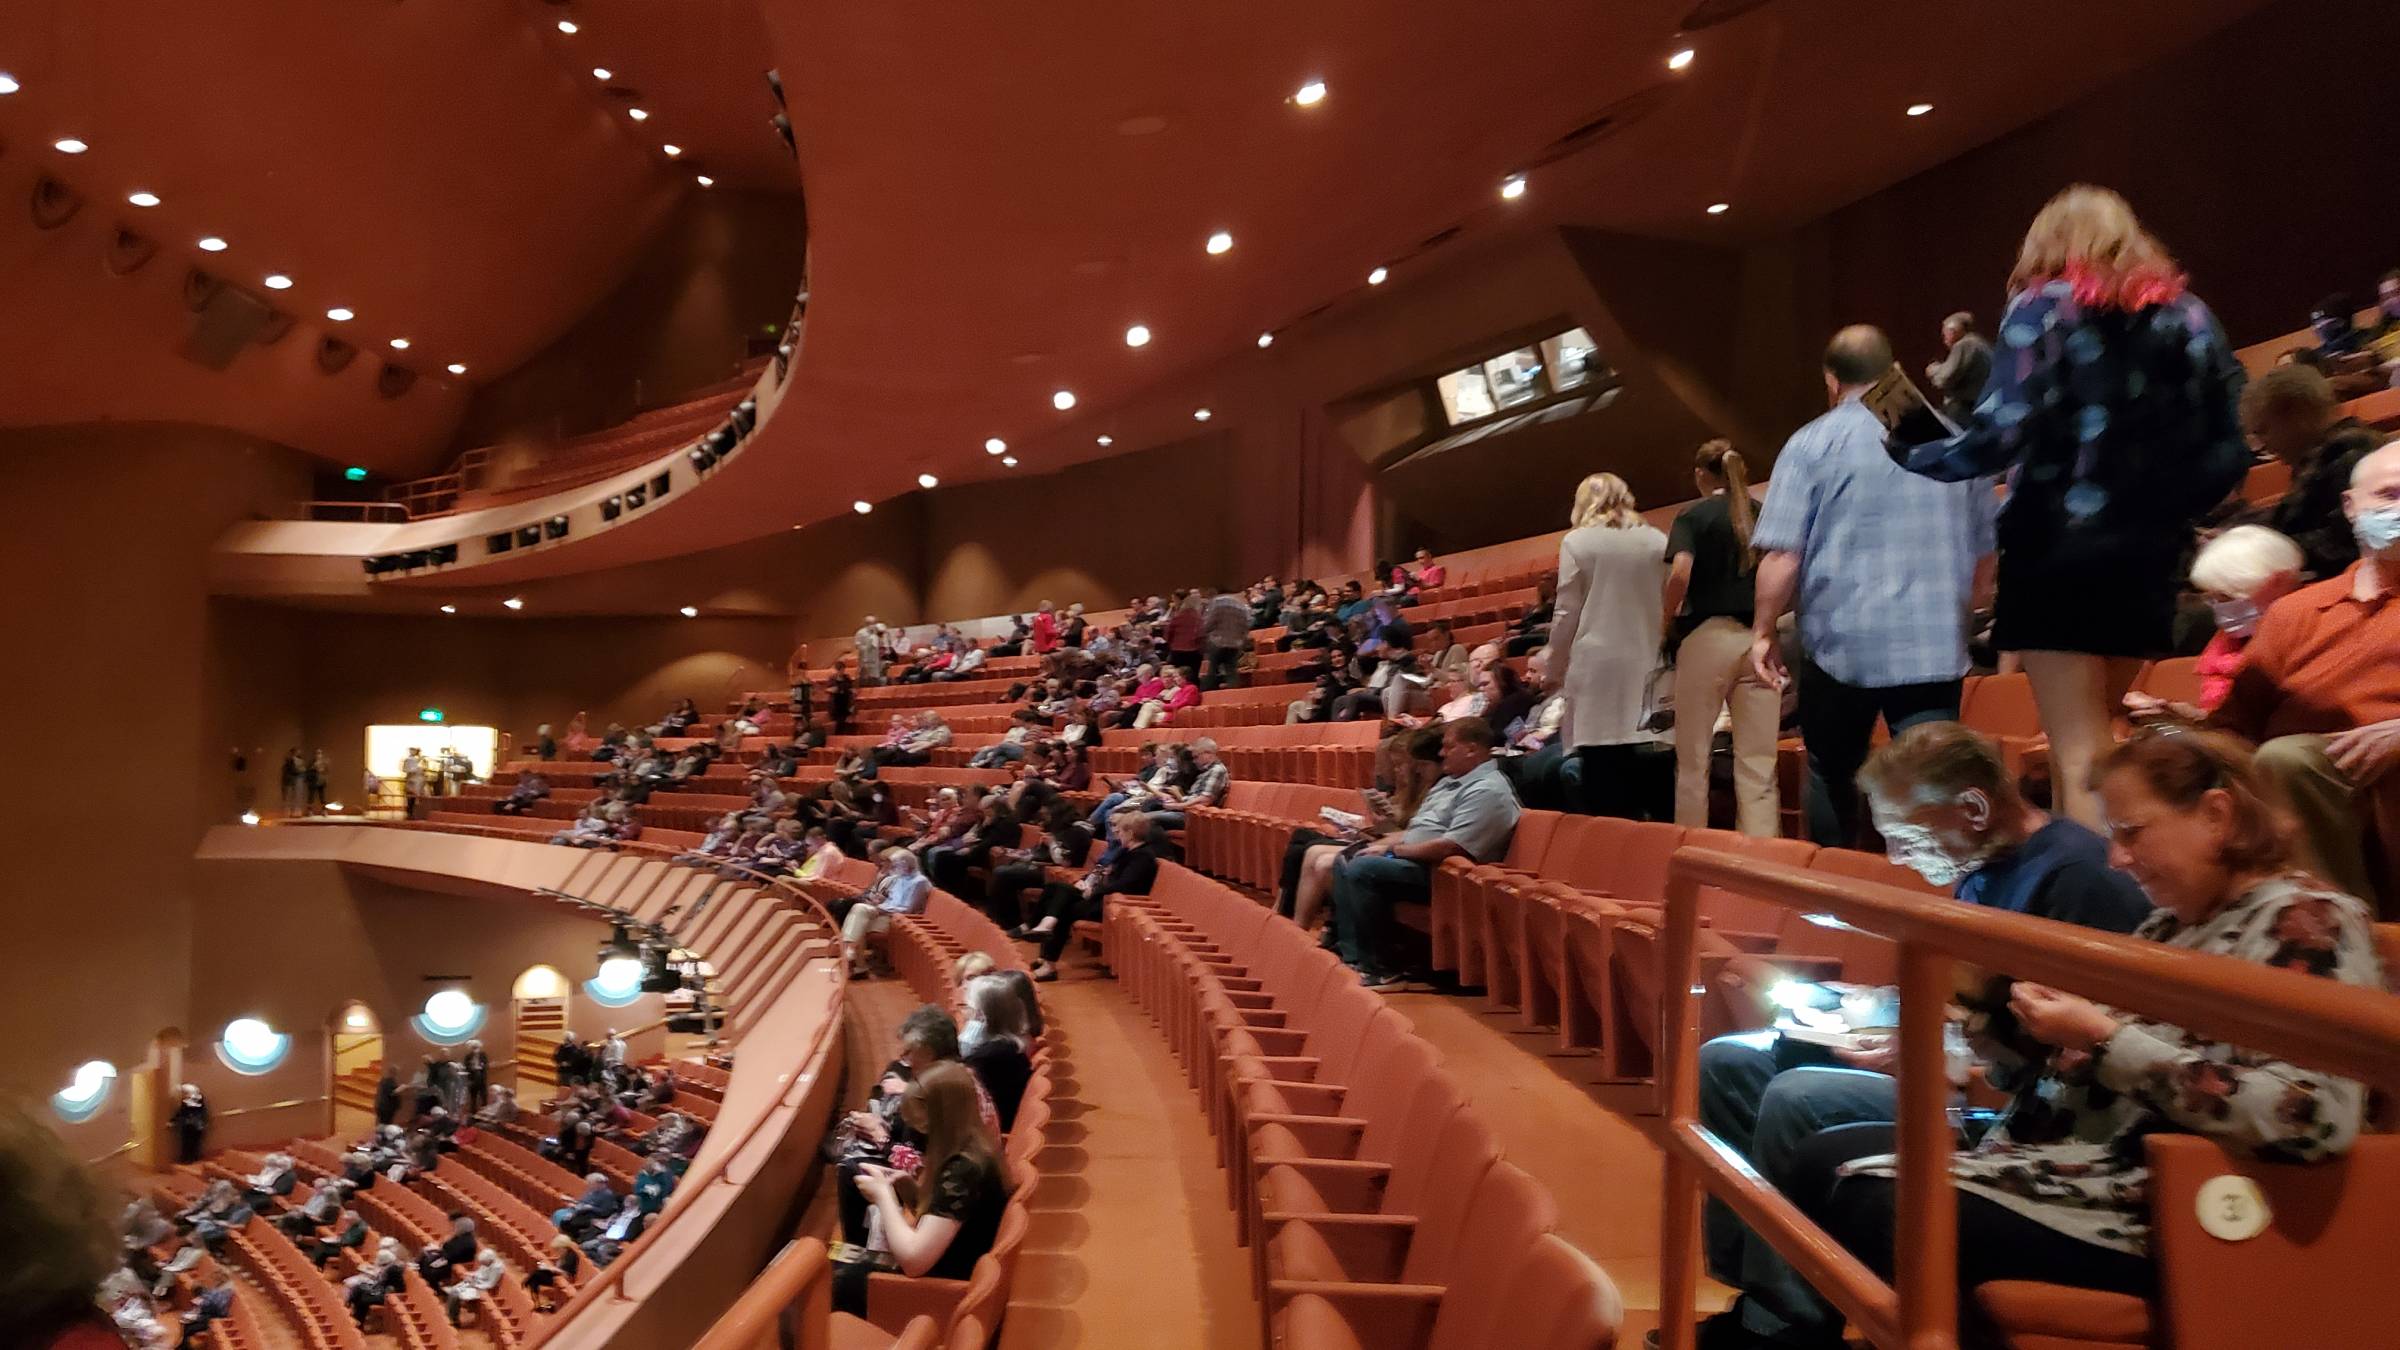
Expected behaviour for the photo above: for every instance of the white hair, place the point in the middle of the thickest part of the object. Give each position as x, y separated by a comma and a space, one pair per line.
2243, 559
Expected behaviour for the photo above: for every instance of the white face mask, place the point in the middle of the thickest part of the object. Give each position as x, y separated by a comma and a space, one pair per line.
2235, 618
2378, 528
1921, 850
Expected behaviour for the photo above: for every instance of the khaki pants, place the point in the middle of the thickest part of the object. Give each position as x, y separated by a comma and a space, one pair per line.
2328, 807
1712, 667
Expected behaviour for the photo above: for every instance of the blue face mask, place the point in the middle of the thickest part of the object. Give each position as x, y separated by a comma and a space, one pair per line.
2235, 618
2378, 528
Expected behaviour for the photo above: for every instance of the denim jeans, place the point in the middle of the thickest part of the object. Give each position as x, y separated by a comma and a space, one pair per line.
1108, 807
1364, 890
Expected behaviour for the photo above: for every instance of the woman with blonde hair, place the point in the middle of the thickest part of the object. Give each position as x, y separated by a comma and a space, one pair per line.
960, 1193
1710, 589
1604, 638
2113, 409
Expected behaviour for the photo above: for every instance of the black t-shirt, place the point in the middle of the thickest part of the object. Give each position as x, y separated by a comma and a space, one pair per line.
974, 1195
1002, 1067
1720, 589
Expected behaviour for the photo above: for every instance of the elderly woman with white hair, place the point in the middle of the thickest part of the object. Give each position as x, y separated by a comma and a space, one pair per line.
902, 889
2241, 573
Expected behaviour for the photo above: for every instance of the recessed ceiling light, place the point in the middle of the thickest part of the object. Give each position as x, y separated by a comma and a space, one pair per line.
1063, 399
690, 611
457, 367
1105, 441
8, 83
567, 26
1266, 339
1919, 109
704, 180
1201, 414
1719, 208
603, 73
1137, 336
512, 602
69, 146
1310, 94
399, 344
1220, 242
1376, 277
1512, 187
862, 507
213, 244
926, 480
277, 281
1681, 59
638, 114
672, 150
995, 446
1008, 461
340, 314
449, 609
142, 198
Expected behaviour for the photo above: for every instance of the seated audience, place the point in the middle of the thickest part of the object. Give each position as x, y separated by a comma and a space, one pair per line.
599, 1201
949, 865
1207, 787
916, 745
561, 1266
2291, 413
1066, 842
2241, 573
1177, 691
1001, 1053
961, 1189
369, 1288
901, 890
531, 787
1132, 871
348, 1232
474, 1285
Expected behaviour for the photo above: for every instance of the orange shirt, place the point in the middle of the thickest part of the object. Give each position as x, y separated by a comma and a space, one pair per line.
2323, 661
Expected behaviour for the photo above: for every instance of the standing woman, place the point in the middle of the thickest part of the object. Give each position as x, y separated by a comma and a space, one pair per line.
1612, 569
189, 1121
295, 783
2113, 408
1710, 588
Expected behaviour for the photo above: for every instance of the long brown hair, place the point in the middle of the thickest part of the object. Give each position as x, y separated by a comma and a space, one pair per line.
1718, 457
2089, 236
2182, 764
944, 1104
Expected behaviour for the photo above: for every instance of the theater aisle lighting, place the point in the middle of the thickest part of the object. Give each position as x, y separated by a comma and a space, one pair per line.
567, 26
603, 73
1681, 59
1719, 208
68, 145
1201, 414
1063, 400
212, 244
638, 114
1378, 276
1104, 441
143, 199
995, 446
399, 344
1919, 109
1266, 339
1008, 461
341, 314
8, 83
277, 281
1138, 335
1512, 187
1310, 94
456, 367
449, 609
862, 507
689, 611
1220, 242
926, 480
512, 602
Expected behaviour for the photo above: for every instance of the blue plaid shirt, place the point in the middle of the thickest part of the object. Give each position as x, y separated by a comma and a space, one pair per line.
1887, 558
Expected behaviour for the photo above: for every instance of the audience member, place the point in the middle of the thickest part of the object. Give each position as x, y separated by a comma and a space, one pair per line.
563, 1263
961, 1190
189, 1122
1604, 644
868, 643
1207, 787
1225, 628
1959, 378
369, 1288
2241, 574
2291, 413
1711, 594
901, 890
1001, 1053
1131, 871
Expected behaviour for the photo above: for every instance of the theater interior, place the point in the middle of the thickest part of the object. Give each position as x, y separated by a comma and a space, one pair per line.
400, 385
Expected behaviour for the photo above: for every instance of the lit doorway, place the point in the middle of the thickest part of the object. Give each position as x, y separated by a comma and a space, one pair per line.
357, 1065
539, 1001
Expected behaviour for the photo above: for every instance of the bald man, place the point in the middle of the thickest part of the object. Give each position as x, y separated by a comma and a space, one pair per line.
1882, 566
2319, 690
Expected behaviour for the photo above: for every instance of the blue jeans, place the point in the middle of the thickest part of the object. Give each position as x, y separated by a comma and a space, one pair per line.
1364, 890
1108, 807
1765, 1113
1167, 820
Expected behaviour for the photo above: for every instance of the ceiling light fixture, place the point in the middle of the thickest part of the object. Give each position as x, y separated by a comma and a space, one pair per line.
449, 609
277, 281
1220, 242
1919, 109
567, 26
638, 114
399, 344
1719, 208
1137, 336
995, 446
1201, 414
672, 150
456, 367
68, 145
1681, 59
690, 611
8, 83
1063, 400
1266, 339
1310, 94
603, 73
862, 507
142, 199
1377, 277
1008, 461
1512, 187
704, 180
926, 480
1104, 441
512, 602
213, 244
340, 314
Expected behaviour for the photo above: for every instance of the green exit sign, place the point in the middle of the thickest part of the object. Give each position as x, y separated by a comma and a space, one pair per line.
429, 714
355, 474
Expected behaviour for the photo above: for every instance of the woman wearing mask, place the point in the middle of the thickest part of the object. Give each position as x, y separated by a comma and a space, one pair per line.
2242, 572
1710, 585
1604, 641
2112, 408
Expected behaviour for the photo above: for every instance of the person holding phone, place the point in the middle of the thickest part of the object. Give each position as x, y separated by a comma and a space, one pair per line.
958, 1196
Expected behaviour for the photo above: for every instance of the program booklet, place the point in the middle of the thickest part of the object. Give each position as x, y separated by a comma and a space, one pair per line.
1910, 417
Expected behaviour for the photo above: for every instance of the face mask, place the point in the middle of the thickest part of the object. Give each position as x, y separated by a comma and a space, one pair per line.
2378, 528
1921, 851
2235, 618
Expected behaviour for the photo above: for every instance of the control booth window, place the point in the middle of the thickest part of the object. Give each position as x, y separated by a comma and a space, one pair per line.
1526, 375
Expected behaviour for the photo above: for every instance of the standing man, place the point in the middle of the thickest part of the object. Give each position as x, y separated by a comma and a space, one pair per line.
868, 641
1226, 628
1884, 567
1966, 366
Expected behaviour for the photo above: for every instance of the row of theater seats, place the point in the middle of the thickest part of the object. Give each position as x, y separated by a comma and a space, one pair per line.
1371, 1192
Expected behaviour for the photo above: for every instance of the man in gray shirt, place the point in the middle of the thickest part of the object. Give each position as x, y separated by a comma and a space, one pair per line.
1966, 366
1470, 813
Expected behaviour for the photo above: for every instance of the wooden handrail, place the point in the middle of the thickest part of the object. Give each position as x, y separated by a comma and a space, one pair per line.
118, 1152
2311, 1021
269, 1106
789, 1298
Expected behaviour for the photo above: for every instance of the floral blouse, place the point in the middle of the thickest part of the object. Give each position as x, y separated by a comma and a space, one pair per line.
2071, 1159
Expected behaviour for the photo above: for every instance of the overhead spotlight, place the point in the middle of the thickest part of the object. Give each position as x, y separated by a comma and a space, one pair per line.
399, 344
1266, 339
213, 244
689, 611
603, 73
862, 507
142, 199
672, 150
69, 146
8, 83
1201, 414
1310, 94
1681, 59
341, 314
1377, 277
926, 480
638, 114
1137, 336
1220, 242
456, 367
512, 602
704, 180
277, 281
1512, 187
568, 27
449, 609
1105, 441
1719, 208
1919, 109
1063, 400
1008, 461
995, 446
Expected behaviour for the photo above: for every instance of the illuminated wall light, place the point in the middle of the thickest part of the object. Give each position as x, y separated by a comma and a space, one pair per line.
1310, 94
449, 609
456, 367
333, 808
704, 180
249, 817
1378, 276
1512, 188
638, 114
1201, 414
1681, 59
68, 145
142, 199
1008, 461
341, 314
672, 150
1220, 242
355, 473
213, 244
689, 611
1266, 339
277, 281
926, 480
1104, 441
995, 446
1137, 336
399, 344
1063, 400
603, 73
512, 602
1919, 109
862, 507
1719, 208
567, 26
8, 83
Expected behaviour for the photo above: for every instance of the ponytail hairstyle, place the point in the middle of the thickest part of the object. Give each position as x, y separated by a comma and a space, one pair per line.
1721, 459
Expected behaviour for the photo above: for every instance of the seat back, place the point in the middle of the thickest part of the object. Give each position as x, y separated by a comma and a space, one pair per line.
1535, 830
1434, 1102
1391, 1069
2176, 679
1509, 1211
1466, 1155
2001, 705
1558, 1297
